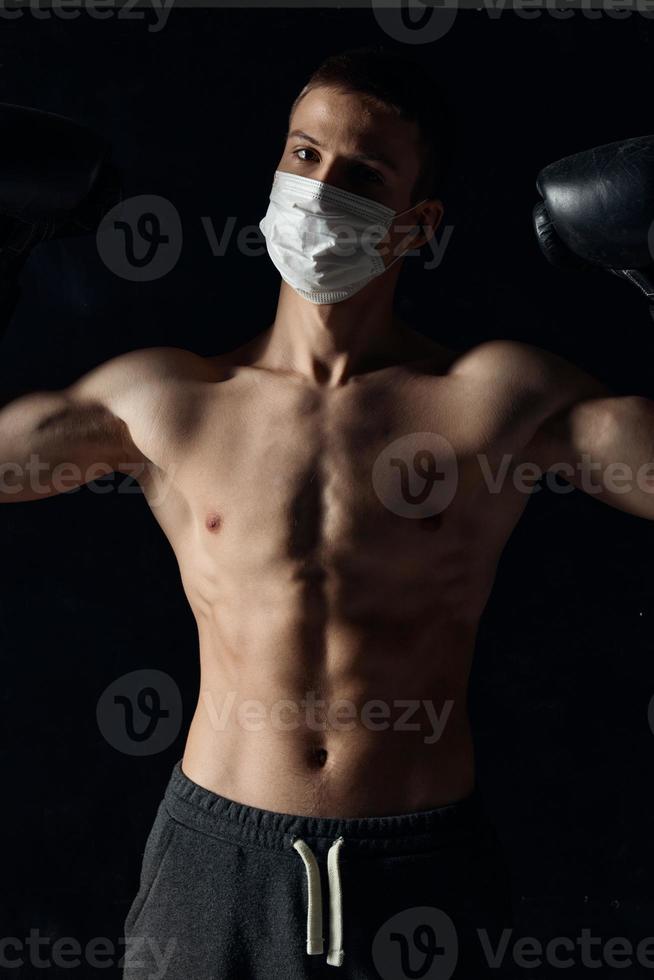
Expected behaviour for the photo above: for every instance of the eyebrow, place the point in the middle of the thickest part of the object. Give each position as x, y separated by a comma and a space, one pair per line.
370, 155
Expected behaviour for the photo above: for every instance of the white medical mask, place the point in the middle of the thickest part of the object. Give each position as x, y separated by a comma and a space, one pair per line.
322, 239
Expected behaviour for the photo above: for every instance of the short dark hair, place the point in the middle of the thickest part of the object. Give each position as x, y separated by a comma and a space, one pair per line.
401, 84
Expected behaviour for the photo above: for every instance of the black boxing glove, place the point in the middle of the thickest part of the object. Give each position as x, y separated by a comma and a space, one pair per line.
56, 180
598, 211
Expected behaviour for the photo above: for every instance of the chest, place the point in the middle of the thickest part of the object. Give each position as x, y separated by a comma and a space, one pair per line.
302, 476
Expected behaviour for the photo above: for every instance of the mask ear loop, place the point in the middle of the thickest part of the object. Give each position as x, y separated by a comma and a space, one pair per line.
399, 215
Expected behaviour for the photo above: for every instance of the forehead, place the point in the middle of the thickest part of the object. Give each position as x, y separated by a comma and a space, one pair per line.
350, 122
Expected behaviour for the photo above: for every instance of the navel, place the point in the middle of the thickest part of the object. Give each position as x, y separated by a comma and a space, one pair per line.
319, 757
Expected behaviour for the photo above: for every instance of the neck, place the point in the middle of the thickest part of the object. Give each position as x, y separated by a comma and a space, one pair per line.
329, 343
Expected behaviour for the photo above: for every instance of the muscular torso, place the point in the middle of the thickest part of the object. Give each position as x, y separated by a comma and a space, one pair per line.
336, 618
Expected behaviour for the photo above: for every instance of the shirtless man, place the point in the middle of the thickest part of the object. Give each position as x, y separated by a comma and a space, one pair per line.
330, 756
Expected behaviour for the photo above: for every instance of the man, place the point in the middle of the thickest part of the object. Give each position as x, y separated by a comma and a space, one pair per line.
326, 491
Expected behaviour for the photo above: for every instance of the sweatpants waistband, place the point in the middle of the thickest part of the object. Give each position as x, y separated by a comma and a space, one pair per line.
403, 833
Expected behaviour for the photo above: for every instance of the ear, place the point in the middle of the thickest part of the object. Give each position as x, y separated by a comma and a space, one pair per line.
429, 218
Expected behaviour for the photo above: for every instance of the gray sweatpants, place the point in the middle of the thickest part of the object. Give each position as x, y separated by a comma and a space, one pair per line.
233, 892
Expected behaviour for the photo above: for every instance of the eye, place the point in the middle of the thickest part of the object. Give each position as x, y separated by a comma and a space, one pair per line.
369, 175
304, 149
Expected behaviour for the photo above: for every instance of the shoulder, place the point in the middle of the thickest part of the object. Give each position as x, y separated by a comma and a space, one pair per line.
151, 364
529, 371
145, 366
509, 360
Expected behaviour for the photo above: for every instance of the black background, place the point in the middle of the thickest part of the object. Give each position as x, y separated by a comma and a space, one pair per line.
89, 586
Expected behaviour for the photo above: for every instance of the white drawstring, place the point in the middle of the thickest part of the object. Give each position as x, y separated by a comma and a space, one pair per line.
314, 904
315, 941
335, 951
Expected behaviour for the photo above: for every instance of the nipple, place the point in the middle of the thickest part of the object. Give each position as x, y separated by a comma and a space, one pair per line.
214, 522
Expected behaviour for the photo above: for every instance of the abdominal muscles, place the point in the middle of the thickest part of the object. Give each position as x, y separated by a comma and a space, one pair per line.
335, 659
